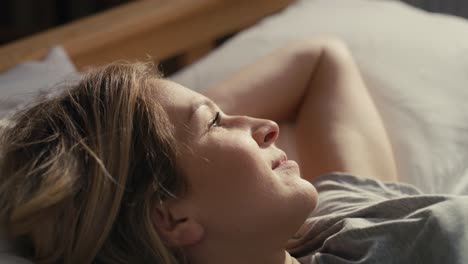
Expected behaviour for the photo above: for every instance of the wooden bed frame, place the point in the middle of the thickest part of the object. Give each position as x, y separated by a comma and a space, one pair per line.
157, 29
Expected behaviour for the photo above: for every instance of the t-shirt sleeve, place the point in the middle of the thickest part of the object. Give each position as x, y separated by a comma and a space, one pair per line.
361, 220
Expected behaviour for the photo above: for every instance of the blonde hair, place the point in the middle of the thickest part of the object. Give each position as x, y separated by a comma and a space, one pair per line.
80, 171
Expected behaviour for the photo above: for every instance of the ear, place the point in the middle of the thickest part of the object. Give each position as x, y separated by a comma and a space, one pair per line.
177, 232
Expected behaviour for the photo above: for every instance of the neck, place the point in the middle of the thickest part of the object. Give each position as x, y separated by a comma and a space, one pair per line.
235, 255
283, 258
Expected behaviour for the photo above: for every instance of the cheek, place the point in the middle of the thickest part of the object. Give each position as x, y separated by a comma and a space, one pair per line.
233, 159
231, 148
228, 166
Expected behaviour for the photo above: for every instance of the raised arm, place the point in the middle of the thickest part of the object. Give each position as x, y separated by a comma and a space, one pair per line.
315, 84
272, 88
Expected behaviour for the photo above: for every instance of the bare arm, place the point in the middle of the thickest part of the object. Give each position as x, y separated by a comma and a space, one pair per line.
272, 88
315, 84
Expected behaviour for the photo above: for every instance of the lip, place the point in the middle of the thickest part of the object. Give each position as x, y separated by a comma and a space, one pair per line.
281, 159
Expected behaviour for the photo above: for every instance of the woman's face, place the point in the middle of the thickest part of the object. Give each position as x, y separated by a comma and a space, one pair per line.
235, 187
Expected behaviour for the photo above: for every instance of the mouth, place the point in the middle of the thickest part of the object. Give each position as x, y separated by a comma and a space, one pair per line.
277, 162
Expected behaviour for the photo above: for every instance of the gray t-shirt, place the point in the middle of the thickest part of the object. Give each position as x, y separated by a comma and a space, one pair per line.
360, 220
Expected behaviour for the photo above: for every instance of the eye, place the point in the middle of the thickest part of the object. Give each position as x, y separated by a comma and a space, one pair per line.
216, 120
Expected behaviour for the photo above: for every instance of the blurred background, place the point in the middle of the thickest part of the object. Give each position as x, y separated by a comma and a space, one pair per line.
20, 18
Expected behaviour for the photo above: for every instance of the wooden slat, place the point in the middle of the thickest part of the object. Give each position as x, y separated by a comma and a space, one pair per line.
156, 28
102, 29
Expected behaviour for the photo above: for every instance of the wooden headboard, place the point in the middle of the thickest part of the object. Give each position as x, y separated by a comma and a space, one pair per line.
138, 30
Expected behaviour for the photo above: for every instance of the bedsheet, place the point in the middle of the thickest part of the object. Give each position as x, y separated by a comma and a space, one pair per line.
365, 221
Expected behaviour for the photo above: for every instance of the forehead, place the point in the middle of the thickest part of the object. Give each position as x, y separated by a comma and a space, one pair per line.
178, 101
173, 95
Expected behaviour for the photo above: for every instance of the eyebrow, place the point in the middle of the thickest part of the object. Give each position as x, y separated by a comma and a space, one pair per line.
194, 108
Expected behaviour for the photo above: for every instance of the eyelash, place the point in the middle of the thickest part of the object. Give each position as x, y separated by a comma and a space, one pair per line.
216, 120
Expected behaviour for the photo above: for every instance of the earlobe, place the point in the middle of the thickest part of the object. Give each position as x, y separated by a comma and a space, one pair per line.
187, 233
180, 232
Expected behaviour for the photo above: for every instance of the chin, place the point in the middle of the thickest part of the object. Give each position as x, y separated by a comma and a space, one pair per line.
302, 204
309, 196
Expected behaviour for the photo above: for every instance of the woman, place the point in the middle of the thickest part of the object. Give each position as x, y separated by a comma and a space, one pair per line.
126, 167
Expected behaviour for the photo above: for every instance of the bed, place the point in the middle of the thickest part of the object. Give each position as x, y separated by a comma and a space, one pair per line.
415, 63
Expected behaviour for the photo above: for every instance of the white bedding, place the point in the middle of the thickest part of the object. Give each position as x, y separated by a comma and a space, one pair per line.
415, 64
21, 83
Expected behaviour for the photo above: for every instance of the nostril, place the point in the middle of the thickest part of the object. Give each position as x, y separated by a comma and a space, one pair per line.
265, 132
271, 135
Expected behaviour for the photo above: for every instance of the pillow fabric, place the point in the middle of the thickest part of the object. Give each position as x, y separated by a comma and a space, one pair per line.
23, 82
414, 62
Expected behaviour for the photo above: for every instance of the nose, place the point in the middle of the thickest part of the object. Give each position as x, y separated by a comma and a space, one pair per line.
265, 132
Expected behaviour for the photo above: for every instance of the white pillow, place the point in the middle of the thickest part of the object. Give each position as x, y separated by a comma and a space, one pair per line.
415, 64
23, 82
